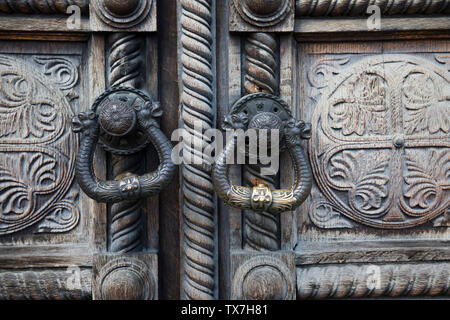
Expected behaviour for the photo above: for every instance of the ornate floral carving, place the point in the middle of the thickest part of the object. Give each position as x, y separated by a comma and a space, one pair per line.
365, 179
363, 106
427, 105
323, 70
36, 149
380, 156
324, 216
425, 180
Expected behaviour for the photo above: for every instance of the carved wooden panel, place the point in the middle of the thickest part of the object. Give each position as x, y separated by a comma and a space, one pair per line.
380, 149
40, 90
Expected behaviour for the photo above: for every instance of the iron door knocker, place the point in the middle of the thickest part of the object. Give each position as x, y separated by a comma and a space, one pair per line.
124, 120
265, 111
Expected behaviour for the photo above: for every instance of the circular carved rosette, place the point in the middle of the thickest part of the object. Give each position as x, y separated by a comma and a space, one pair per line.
263, 13
122, 13
125, 279
263, 278
380, 152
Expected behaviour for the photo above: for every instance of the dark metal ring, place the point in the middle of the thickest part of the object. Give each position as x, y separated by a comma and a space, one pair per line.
260, 197
128, 186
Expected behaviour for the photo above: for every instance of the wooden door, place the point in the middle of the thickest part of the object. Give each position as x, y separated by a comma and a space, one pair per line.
373, 81
57, 57
372, 78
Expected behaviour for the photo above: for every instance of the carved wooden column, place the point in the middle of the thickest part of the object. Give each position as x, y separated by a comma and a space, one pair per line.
125, 69
260, 256
261, 230
127, 271
199, 251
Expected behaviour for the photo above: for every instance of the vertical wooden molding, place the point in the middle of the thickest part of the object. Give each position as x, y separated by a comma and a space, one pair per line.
197, 109
261, 229
96, 78
125, 65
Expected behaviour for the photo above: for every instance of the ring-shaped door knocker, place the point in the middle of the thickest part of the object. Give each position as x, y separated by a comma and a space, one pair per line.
125, 120
265, 111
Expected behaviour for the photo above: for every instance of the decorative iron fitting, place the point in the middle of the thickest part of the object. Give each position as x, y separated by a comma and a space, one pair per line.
265, 111
124, 120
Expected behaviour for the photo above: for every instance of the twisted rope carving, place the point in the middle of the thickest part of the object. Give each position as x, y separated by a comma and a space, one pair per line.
260, 63
261, 229
126, 216
125, 63
335, 8
45, 285
357, 281
42, 6
125, 60
197, 110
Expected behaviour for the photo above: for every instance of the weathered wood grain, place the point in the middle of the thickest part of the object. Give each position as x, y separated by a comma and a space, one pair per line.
52, 24
355, 28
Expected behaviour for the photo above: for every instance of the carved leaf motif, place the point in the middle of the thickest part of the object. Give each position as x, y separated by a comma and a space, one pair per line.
64, 217
35, 120
324, 69
23, 112
324, 216
36, 164
428, 108
60, 70
364, 105
367, 181
424, 178
16, 89
20, 177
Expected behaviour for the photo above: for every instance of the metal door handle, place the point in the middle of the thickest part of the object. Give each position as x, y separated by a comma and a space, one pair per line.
120, 112
265, 110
